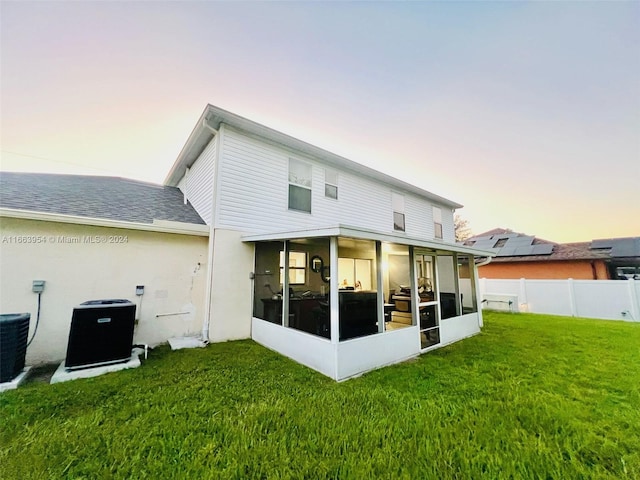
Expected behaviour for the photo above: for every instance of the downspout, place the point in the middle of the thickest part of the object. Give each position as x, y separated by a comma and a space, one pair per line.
185, 192
212, 232
486, 262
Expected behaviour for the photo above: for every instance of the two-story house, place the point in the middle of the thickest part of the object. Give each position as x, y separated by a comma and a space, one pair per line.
255, 234
328, 262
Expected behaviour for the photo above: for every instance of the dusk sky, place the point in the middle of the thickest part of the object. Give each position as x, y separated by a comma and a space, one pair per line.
526, 113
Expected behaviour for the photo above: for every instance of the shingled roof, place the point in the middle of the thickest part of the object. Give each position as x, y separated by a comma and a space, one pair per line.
112, 198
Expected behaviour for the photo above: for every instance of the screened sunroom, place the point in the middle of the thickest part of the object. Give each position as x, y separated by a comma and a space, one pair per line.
344, 300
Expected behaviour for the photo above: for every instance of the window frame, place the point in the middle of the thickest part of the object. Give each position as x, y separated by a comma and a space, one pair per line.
397, 205
302, 184
331, 182
297, 269
437, 223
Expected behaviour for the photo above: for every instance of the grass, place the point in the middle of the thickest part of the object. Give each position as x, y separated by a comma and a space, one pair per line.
533, 396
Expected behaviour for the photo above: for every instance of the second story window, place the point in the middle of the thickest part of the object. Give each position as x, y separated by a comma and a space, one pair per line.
299, 186
331, 184
437, 222
397, 201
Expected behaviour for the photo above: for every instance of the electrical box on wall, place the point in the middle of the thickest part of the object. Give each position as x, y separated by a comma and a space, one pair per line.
139, 290
38, 286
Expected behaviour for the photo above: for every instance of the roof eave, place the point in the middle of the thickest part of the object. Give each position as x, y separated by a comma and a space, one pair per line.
161, 226
361, 233
197, 141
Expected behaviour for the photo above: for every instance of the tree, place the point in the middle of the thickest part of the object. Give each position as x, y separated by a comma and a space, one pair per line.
462, 229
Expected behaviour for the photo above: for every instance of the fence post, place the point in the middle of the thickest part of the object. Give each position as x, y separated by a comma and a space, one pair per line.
633, 297
523, 295
572, 298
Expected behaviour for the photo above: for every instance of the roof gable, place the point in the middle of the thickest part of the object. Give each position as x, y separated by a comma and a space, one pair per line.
213, 117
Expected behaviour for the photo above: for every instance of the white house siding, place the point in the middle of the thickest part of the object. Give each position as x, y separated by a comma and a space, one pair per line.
197, 185
448, 229
419, 217
252, 194
171, 267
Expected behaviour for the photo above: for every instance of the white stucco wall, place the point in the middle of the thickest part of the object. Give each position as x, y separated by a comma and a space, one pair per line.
171, 267
231, 290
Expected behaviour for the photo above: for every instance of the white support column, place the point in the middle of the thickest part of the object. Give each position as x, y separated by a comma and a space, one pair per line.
456, 284
379, 287
333, 290
436, 289
415, 295
285, 286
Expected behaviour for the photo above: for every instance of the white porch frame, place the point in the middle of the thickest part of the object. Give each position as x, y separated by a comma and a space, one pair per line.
341, 360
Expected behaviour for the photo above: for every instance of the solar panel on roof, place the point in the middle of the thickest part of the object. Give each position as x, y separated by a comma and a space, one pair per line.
597, 244
525, 250
626, 247
484, 243
521, 241
542, 249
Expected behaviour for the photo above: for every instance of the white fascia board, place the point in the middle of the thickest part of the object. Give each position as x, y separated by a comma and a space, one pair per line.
294, 234
214, 117
361, 233
162, 226
198, 140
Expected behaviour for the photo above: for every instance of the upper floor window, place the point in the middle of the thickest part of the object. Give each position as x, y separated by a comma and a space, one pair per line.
437, 222
397, 202
331, 184
299, 186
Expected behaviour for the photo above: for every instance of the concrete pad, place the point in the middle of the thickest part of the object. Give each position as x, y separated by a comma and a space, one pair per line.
63, 375
15, 383
178, 343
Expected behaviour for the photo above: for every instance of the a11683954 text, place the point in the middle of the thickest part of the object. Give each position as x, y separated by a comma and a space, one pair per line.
63, 239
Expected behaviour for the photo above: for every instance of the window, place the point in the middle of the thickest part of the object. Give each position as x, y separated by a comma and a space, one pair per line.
299, 186
397, 201
297, 268
331, 184
437, 222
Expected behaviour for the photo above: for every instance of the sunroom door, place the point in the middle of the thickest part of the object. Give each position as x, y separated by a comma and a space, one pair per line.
428, 299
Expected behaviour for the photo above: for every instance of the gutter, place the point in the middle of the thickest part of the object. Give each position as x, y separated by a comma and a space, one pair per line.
486, 262
162, 226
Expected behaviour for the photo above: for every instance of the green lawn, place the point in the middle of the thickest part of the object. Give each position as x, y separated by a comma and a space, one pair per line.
533, 396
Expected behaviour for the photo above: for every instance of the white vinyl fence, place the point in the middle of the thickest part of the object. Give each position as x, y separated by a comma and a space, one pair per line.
606, 299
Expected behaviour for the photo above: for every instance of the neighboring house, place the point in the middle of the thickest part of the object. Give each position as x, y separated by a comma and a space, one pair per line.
331, 263
94, 238
524, 256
